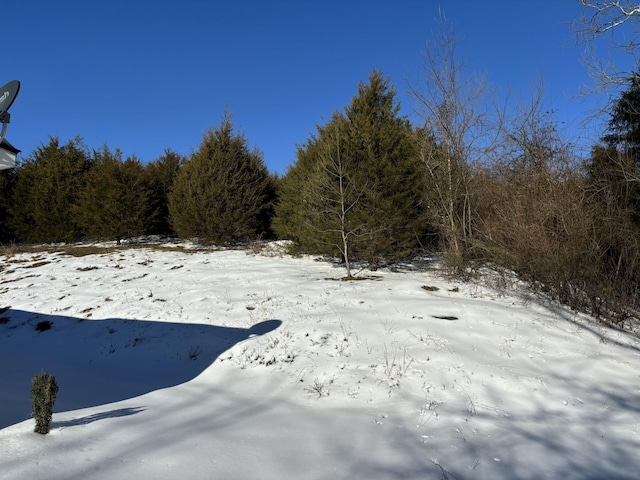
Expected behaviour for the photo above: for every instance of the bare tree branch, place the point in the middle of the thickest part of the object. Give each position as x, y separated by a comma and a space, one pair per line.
607, 21
609, 14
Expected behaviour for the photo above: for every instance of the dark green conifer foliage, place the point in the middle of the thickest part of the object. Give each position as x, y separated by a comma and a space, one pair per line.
47, 188
301, 213
116, 202
44, 389
7, 184
319, 198
358, 176
390, 175
224, 192
614, 169
161, 175
624, 124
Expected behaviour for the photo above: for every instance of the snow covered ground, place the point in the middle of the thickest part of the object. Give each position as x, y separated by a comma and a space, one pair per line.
236, 365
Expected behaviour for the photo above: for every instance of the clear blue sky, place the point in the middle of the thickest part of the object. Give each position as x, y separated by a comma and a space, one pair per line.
146, 75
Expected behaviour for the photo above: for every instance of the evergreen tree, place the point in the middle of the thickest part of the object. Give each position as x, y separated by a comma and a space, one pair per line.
161, 175
319, 198
624, 125
116, 202
357, 184
389, 172
291, 219
47, 188
613, 195
614, 169
224, 192
7, 184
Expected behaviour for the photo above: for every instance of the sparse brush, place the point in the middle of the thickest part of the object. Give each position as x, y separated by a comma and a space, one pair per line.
318, 388
9, 250
43, 326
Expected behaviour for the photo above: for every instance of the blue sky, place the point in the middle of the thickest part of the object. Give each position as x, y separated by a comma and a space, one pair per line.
147, 75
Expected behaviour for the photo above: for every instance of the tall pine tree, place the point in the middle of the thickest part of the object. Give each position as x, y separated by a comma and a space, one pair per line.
389, 172
624, 125
161, 174
224, 192
614, 169
47, 187
116, 201
357, 185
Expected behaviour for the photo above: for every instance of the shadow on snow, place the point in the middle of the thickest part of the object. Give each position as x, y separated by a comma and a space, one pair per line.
97, 362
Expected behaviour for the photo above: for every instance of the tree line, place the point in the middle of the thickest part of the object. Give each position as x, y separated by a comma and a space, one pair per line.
370, 186
67, 193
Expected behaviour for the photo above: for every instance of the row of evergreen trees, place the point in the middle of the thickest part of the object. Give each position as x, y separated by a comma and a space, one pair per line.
65, 193
356, 189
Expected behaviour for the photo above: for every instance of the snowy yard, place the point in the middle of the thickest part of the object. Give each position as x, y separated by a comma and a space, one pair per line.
237, 365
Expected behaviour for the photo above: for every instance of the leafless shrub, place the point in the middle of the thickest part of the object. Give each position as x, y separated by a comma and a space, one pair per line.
430, 288
538, 216
317, 388
9, 250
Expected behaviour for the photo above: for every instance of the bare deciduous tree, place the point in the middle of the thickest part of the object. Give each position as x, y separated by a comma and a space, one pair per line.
336, 197
454, 134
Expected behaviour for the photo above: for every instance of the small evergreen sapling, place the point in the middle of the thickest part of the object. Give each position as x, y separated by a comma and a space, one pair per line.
43, 396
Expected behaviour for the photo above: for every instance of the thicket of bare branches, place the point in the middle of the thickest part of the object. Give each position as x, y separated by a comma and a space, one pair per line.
565, 230
509, 192
529, 204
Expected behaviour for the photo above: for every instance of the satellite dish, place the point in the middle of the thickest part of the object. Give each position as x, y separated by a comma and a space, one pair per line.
8, 94
8, 152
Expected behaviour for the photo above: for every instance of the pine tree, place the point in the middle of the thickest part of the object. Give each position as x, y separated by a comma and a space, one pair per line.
356, 185
389, 172
47, 188
224, 192
116, 202
614, 169
624, 125
161, 175
44, 390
